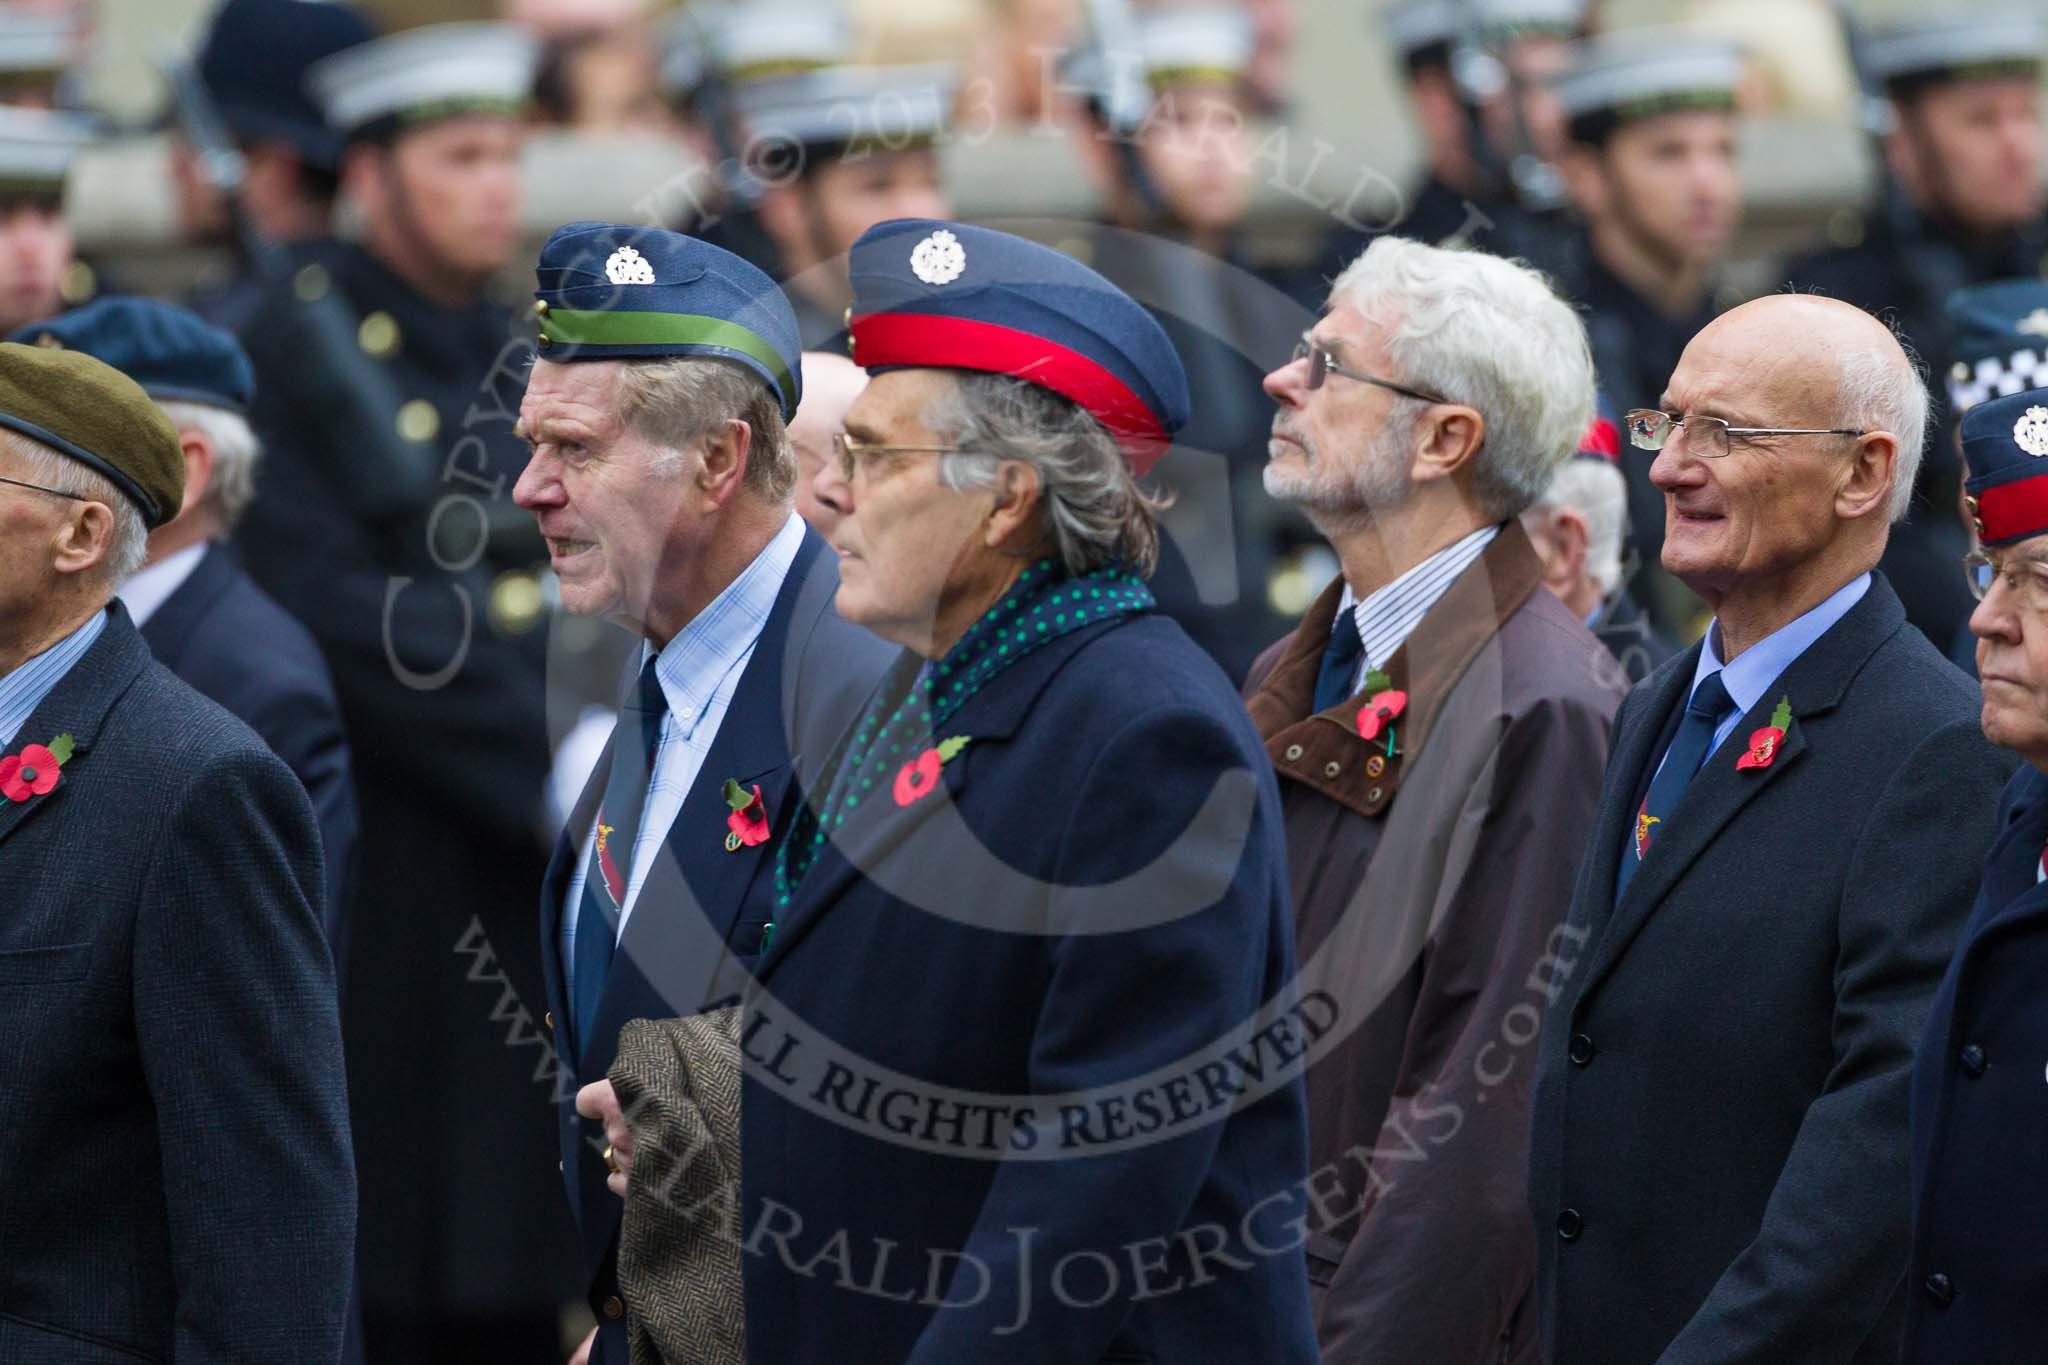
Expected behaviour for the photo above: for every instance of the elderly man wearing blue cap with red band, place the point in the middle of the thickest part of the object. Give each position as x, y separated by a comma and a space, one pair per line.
1035, 1086
1980, 1191
661, 477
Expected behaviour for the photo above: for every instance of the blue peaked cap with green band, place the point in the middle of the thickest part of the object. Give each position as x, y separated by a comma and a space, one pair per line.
610, 291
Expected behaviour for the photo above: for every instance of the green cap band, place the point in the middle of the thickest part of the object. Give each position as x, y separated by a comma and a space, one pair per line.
578, 327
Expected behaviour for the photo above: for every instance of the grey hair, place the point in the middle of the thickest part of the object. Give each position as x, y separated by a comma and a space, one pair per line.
1095, 510
235, 449
1877, 391
1595, 490
1489, 333
678, 401
129, 546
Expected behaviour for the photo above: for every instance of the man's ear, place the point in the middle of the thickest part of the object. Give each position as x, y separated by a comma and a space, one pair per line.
84, 538
724, 466
1866, 488
1569, 537
198, 451
363, 168
1013, 521
1448, 437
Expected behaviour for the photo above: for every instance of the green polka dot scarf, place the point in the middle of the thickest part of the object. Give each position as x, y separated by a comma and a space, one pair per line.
908, 711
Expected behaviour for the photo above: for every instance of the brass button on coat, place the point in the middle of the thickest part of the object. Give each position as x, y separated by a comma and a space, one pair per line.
614, 1307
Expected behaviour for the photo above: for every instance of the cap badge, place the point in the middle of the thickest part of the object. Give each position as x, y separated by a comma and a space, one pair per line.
2030, 433
627, 266
2034, 323
939, 258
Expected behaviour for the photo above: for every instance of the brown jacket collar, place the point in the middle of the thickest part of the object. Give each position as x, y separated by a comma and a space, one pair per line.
1324, 751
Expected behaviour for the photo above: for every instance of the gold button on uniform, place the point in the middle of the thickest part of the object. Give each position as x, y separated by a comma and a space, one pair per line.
1375, 765
79, 283
378, 335
1293, 752
1332, 768
550, 1017
418, 421
311, 283
613, 1308
516, 602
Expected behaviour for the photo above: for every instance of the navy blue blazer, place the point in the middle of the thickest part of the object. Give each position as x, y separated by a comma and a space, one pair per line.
809, 674
1718, 1155
175, 1172
1979, 1278
1095, 897
229, 639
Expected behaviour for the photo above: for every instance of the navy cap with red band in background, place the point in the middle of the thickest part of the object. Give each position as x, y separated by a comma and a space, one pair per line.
953, 296
2005, 443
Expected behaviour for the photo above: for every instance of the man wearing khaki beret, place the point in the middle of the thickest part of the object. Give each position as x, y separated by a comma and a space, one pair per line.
170, 1057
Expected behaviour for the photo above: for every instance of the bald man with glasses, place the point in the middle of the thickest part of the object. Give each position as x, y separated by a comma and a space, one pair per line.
1788, 840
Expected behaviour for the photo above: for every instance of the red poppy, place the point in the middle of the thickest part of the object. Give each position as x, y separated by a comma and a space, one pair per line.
749, 823
1763, 747
1380, 710
32, 772
919, 777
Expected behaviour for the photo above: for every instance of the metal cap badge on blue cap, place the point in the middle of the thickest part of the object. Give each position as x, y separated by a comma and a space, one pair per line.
2005, 443
174, 355
2001, 340
609, 291
954, 296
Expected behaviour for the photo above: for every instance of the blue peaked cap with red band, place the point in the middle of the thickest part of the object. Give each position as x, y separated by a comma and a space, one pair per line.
954, 296
613, 291
2005, 443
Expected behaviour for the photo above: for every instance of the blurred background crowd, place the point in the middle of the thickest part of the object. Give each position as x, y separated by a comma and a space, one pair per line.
363, 216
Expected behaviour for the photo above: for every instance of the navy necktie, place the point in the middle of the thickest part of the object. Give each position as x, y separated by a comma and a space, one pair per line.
634, 740
1334, 680
1703, 713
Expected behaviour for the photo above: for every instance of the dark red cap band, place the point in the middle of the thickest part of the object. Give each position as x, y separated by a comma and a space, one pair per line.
925, 339
2013, 511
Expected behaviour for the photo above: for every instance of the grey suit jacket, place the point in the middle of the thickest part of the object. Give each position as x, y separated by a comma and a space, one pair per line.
175, 1173
1719, 1160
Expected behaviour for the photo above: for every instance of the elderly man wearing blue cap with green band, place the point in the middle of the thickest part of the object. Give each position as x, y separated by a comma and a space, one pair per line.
662, 478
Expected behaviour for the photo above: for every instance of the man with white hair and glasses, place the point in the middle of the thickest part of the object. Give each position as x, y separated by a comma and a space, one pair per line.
1437, 722
1789, 836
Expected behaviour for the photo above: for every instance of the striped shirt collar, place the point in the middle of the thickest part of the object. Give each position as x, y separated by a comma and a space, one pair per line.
1388, 615
697, 659
23, 690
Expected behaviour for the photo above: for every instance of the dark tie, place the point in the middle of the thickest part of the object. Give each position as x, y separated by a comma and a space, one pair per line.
1340, 661
634, 740
1710, 703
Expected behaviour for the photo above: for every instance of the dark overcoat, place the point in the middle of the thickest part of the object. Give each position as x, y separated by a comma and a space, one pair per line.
1978, 1287
1022, 1087
1718, 1168
175, 1174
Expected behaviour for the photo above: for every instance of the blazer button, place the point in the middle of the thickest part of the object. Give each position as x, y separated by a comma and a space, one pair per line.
1941, 1289
1331, 769
1580, 1050
1570, 1225
1294, 752
614, 1308
550, 1017
1973, 1059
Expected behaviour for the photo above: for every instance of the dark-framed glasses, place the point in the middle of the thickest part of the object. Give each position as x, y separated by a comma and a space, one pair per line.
2025, 578
853, 451
1321, 365
1710, 438
44, 488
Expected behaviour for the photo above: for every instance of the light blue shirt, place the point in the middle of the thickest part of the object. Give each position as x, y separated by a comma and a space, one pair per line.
1751, 676
23, 690
699, 670
1387, 616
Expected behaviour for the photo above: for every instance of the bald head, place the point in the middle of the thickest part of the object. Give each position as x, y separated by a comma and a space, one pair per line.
1781, 517
831, 383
